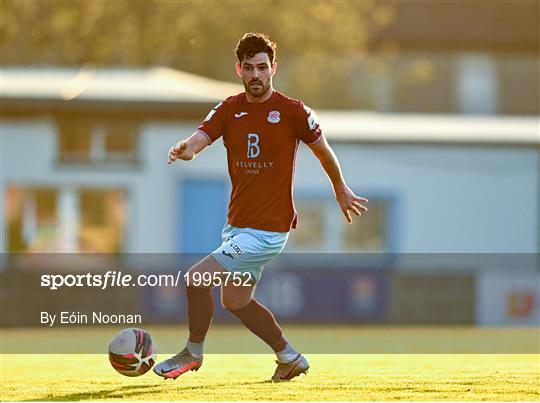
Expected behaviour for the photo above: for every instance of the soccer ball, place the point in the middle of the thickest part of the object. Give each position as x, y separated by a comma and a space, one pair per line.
132, 352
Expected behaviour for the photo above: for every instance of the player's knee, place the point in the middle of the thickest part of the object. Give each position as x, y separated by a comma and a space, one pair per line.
233, 304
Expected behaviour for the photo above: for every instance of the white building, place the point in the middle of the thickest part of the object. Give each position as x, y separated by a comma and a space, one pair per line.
84, 169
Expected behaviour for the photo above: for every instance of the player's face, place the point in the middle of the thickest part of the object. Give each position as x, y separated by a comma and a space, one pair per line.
256, 74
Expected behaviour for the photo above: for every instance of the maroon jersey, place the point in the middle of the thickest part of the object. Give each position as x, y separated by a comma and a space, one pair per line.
261, 141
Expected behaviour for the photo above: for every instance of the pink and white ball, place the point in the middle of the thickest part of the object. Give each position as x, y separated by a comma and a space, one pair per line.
132, 352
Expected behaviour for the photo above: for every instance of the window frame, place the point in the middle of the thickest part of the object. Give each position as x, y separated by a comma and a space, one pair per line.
98, 129
333, 229
78, 189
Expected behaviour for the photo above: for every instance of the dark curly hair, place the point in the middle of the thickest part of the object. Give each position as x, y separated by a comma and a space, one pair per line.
252, 43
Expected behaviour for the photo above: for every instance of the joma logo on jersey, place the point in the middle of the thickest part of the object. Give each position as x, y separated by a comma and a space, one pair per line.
235, 248
253, 149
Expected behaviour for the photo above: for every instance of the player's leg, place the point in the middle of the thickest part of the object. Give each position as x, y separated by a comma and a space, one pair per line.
200, 310
239, 301
256, 317
200, 303
236, 297
246, 253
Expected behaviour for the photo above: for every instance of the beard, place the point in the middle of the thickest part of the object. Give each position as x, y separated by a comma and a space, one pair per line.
257, 90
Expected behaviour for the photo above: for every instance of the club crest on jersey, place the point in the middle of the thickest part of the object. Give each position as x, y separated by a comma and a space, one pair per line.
273, 117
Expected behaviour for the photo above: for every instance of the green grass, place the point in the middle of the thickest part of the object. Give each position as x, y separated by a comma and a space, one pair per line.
374, 376
324, 339
244, 377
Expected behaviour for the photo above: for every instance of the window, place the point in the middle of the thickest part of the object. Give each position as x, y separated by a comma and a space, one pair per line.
83, 141
31, 218
102, 220
65, 220
74, 142
369, 233
322, 228
310, 232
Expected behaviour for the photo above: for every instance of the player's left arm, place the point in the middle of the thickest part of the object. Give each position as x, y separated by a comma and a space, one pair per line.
345, 197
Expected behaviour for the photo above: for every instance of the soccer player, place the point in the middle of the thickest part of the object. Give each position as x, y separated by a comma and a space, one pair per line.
261, 130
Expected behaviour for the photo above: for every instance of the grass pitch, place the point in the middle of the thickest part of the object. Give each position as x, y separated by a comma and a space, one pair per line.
74, 377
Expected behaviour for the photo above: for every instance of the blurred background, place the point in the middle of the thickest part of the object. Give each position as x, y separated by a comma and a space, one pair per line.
432, 108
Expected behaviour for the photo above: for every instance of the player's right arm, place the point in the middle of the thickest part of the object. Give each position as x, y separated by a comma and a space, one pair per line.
208, 132
187, 149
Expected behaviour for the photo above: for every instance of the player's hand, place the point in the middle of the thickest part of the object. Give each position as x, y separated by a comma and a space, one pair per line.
348, 202
180, 150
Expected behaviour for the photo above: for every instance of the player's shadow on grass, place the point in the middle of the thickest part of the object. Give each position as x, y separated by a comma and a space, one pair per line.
116, 392
126, 392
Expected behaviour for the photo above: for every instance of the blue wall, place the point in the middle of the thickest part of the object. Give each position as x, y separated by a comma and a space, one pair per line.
201, 215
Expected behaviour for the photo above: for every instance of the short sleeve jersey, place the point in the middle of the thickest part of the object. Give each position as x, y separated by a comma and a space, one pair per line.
262, 141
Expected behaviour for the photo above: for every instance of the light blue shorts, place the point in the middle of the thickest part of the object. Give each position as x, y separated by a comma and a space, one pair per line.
247, 250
